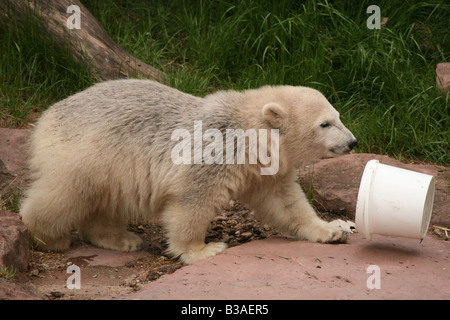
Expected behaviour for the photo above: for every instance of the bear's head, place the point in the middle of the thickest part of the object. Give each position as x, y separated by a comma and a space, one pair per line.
309, 126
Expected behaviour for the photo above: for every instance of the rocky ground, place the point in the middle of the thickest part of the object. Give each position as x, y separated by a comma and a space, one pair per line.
123, 274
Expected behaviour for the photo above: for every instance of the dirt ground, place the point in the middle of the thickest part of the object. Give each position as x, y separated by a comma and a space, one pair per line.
48, 270
122, 275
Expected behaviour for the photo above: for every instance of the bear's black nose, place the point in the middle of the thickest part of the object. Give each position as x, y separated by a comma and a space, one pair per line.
352, 144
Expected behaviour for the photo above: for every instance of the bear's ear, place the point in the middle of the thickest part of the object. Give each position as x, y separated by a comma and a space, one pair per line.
275, 114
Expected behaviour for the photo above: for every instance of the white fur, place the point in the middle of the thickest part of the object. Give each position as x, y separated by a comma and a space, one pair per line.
101, 158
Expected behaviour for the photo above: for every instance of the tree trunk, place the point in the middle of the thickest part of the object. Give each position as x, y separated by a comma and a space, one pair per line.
90, 44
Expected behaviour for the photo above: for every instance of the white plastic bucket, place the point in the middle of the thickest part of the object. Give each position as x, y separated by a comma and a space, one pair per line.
394, 202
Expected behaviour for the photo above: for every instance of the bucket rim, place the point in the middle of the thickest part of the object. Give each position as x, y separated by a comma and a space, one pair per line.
428, 206
362, 215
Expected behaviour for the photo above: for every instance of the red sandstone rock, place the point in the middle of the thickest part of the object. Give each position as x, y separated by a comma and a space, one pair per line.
14, 242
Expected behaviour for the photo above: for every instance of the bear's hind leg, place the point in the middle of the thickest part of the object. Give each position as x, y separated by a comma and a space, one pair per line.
49, 217
109, 232
186, 232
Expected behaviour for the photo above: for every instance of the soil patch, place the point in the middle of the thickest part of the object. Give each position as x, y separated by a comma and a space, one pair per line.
48, 270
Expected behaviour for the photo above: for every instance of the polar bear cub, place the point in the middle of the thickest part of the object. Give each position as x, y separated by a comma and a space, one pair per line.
105, 156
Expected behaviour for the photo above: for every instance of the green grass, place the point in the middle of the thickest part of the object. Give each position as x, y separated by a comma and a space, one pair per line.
382, 81
11, 200
7, 272
34, 72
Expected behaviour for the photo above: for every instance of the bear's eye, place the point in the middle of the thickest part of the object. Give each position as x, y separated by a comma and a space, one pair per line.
325, 124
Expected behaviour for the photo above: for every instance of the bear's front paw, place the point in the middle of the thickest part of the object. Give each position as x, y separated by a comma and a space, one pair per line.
324, 232
210, 249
